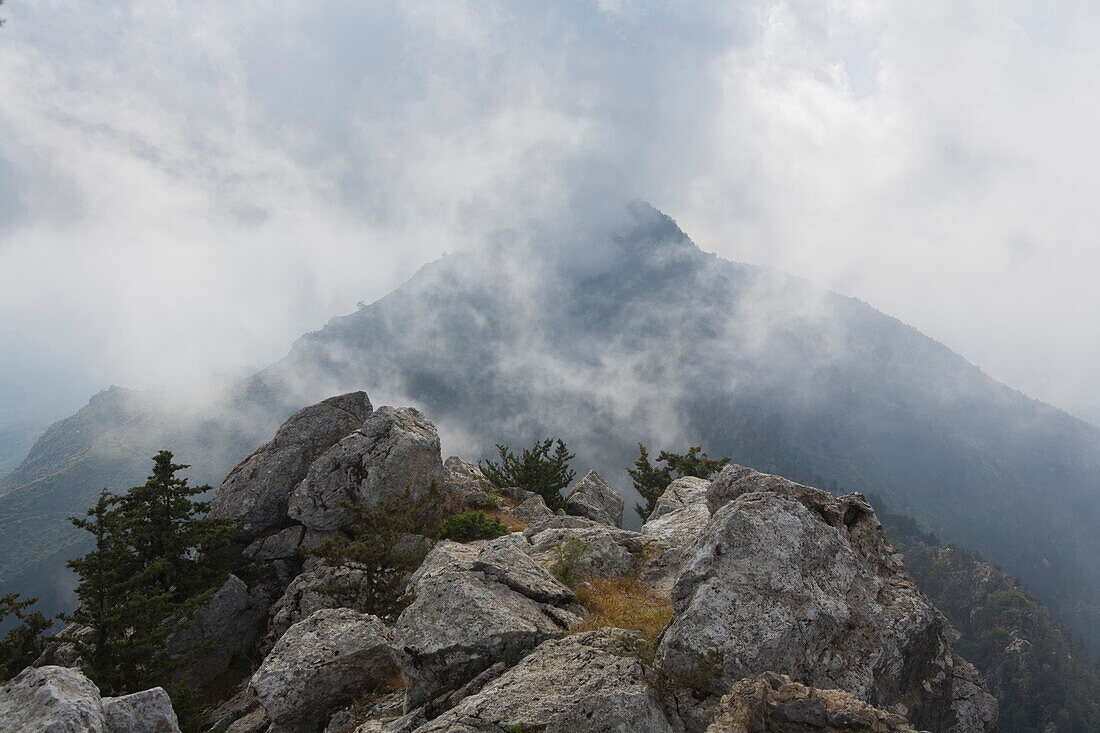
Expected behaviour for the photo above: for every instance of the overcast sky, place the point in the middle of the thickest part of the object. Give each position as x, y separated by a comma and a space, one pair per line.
185, 187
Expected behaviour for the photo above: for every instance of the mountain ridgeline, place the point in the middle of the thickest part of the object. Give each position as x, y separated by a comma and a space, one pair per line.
618, 337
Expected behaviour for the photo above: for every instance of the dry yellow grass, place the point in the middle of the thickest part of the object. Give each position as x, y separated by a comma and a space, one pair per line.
622, 602
513, 524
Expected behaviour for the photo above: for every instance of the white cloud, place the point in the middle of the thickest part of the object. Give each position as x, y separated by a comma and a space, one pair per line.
189, 186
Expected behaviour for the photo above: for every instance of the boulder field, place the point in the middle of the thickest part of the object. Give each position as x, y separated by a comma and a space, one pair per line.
787, 608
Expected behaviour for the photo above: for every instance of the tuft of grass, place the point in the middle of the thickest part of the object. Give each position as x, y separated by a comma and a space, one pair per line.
622, 602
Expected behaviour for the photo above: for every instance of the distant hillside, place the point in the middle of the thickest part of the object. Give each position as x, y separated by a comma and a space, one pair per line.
607, 339
1042, 678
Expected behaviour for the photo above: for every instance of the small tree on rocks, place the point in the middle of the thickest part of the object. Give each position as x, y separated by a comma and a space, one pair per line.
535, 470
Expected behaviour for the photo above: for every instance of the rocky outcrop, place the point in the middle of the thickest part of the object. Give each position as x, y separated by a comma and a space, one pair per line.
52, 699
585, 682
465, 487
255, 493
319, 587
394, 450
282, 545
733, 481
590, 547
676, 524
792, 580
594, 498
226, 627
475, 605
149, 711
321, 664
772, 703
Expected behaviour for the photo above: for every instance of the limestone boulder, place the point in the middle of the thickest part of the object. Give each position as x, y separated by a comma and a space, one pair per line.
51, 699
256, 492
674, 528
797, 582
226, 627
585, 682
320, 587
594, 498
148, 711
321, 664
592, 548
395, 449
475, 606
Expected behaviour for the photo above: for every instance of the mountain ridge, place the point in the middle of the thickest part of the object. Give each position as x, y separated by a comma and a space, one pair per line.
635, 335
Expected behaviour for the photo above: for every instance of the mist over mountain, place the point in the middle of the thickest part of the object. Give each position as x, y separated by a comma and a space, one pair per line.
608, 335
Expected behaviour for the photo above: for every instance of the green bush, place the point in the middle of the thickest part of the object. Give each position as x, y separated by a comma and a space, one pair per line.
570, 554
535, 470
469, 526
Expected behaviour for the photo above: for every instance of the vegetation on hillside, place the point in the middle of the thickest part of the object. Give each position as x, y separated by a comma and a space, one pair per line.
1039, 673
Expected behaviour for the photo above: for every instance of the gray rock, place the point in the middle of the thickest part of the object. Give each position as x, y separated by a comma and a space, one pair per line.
798, 582
594, 498
530, 509
321, 587
321, 664
462, 621
774, 703
279, 546
394, 450
974, 708
603, 550
505, 563
64, 653
149, 711
51, 699
255, 493
586, 682
733, 481
255, 721
226, 627
675, 526
463, 472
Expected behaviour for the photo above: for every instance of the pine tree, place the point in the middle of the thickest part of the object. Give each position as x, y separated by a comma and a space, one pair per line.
536, 470
22, 644
155, 561
651, 482
693, 463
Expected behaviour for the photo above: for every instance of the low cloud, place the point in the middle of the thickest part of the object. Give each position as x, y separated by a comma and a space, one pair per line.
184, 189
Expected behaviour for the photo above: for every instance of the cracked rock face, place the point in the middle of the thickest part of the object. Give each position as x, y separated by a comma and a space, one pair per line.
585, 682
255, 493
475, 605
149, 711
795, 581
51, 699
594, 498
773, 703
604, 551
396, 448
676, 525
321, 664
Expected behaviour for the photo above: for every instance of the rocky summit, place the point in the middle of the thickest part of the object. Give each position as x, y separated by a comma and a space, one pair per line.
746, 603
